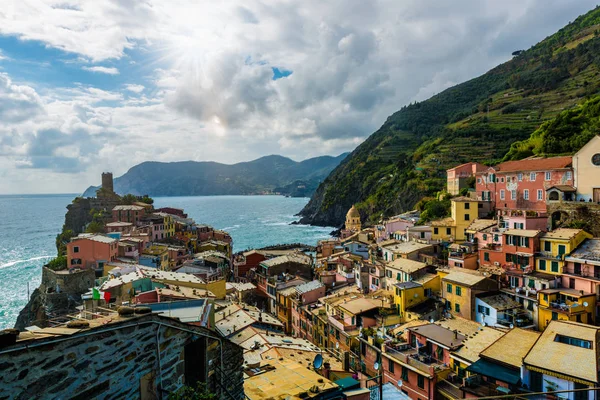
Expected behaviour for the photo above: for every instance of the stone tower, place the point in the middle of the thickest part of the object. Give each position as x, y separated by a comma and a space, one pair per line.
107, 182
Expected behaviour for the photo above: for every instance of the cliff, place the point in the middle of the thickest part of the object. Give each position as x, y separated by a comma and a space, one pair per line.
477, 120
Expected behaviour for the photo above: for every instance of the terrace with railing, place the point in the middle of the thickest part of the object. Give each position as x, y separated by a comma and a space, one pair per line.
405, 354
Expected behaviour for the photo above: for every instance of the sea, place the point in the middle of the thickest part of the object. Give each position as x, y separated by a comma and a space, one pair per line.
30, 224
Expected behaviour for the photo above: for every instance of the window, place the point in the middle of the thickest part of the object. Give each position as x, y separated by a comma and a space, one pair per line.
448, 231
421, 381
458, 291
435, 231
532, 176
483, 310
502, 180
398, 276
478, 180
467, 206
562, 249
513, 194
388, 273
554, 316
75, 249
548, 175
569, 175
486, 256
540, 193
586, 344
554, 266
547, 246
467, 217
542, 265
501, 194
456, 307
448, 288
520, 176
526, 194
404, 373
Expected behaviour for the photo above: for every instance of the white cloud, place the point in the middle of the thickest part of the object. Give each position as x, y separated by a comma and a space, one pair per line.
135, 88
102, 70
203, 77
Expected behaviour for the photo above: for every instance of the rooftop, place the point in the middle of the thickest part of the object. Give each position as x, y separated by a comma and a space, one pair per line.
359, 305
463, 278
522, 232
118, 224
289, 379
477, 342
407, 285
240, 287
512, 347
499, 301
463, 199
563, 188
463, 325
448, 221
535, 164
95, 238
481, 224
440, 335
405, 247
288, 258
308, 286
406, 265
571, 360
561, 233
128, 207
588, 250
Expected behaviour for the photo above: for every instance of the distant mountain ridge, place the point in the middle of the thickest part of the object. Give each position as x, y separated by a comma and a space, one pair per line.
208, 178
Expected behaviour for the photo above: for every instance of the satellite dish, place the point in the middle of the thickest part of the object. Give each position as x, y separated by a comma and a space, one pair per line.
585, 304
431, 321
337, 345
318, 361
376, 366
511, 326
399, 382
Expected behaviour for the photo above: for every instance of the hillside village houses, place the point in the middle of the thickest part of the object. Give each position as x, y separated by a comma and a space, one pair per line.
465, 306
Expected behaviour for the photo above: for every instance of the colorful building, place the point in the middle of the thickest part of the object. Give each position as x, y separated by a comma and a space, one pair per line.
586, 168
128, 213
582, 270
459, 290
464, 210
555, 245
91, 251
566, 305
458, 177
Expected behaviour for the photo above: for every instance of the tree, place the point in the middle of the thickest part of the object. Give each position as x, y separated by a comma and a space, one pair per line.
200, 392
95, 227
62, 239
58, 264
129, 199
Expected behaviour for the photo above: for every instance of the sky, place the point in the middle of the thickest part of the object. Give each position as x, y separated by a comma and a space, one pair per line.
93, 86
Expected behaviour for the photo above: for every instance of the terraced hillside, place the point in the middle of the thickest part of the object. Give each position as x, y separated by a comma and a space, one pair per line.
477, 120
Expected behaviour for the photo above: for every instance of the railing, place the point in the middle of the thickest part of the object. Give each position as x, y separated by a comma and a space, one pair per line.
566, 308
340, 323
595, 275
547, 254
413, 358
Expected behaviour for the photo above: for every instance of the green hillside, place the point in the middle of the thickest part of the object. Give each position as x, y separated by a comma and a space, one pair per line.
477, 120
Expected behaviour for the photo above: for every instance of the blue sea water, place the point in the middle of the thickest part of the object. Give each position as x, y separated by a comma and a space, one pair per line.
30, 224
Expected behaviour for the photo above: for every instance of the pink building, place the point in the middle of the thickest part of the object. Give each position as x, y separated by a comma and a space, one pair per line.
127, 213
518, 188
395, 225
582, 270
91, 251
457, 177
118, 226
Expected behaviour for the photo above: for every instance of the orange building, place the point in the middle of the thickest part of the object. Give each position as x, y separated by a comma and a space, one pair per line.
91, 251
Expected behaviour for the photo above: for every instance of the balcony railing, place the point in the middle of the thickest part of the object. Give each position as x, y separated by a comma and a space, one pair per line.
549, 255
573, 308
411, 356
339, 323
582, 273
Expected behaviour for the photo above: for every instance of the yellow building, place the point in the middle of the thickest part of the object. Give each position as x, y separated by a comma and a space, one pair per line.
284, 307
463, 211
555, 245
459, 290
565, 305
402, 270
353, 220
413, 299
586, 168
160, 252
168, 223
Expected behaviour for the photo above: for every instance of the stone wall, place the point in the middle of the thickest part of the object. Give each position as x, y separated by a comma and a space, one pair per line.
134, 358
564, 213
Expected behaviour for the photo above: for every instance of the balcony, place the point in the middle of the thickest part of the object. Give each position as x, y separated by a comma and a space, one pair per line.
410, 356
523, 292
565, 308
549, 255
340, 324
582, 274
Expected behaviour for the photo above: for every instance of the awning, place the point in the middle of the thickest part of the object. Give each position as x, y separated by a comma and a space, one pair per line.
496, 371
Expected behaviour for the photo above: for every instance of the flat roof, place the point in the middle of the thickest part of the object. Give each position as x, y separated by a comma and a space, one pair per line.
128, 207
481, 224
589, 250
571, 360
561, 233
463, 325
95, 238
512, 347
405, 247
406, 265
287, 258
407, 285
440, 335
499, 301
463, 278
522, 232
356, 306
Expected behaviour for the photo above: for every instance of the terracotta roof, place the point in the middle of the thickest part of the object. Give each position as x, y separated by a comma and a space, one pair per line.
463, 199
535, 164
522, 232
481, 224
563, 188
448, 221
512, 347
571, 360
406, 265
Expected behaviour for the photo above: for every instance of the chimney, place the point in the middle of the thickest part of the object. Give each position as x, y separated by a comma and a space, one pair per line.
456, 334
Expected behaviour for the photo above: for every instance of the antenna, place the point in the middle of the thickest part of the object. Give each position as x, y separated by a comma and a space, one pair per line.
511, 326
318, 361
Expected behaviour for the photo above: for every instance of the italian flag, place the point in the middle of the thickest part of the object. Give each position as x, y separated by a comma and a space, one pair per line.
96, 294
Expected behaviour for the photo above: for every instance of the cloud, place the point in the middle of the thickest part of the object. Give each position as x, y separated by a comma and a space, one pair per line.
134, 88
204, 77
102, 70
